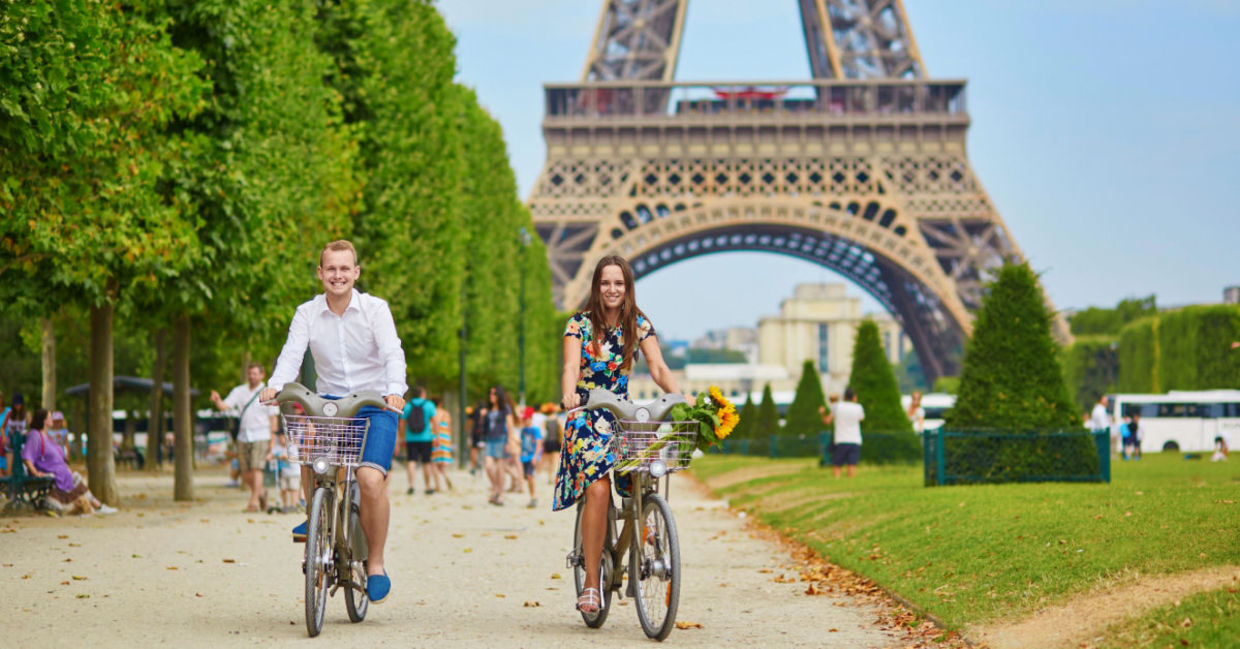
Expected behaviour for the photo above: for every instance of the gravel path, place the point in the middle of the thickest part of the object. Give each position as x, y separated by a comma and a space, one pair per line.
465, 574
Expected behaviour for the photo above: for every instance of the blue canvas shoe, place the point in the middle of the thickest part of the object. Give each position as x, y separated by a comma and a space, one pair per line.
299, 532
378, 587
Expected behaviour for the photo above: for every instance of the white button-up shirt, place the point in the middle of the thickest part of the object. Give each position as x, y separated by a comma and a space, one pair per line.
355, 351
1099, 419
255, 418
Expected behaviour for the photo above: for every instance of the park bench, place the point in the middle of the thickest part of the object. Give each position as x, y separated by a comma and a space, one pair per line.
24, 490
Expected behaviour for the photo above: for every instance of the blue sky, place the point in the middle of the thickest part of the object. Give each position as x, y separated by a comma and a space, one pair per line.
1105, 131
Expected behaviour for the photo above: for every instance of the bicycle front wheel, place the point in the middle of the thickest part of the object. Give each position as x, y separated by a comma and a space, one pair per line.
655, 568
318, 558
356, 601
596, 619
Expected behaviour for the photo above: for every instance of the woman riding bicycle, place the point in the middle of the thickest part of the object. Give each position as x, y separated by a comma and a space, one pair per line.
600, 346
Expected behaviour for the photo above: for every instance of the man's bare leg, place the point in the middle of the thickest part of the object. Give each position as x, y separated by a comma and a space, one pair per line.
375, 514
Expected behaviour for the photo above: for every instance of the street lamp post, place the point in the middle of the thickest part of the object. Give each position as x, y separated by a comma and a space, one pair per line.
524, 238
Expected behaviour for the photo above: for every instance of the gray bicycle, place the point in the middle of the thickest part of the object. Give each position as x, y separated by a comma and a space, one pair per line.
648, 449
329, 437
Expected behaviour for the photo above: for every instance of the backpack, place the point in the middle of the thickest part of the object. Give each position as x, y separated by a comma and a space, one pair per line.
417, 418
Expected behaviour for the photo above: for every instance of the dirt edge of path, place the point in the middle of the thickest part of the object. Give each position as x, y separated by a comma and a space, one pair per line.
1082, 618
745, 474
821, 577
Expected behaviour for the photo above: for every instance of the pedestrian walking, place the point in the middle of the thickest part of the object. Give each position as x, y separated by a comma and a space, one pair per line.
287, 474
847, 416
512, 452
353, 339
601, 344
441, 447
255, 424
553, 439
1100, 420
477, 436
531, 452
1132, 438
417, 437
498, 419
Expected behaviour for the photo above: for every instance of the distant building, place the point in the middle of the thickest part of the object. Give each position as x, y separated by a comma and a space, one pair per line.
819, 323
741, 339
1231, 295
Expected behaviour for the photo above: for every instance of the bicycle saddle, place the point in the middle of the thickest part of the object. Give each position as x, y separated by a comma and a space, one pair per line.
628, 410
316, 406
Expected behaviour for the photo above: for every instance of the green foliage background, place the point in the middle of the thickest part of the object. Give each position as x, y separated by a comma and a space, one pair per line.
767, 421
191, 158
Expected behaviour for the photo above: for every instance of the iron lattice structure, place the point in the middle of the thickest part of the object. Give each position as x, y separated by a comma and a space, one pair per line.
862, 169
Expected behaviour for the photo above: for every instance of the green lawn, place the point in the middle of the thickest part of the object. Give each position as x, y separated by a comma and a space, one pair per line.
1210, 619
973, 554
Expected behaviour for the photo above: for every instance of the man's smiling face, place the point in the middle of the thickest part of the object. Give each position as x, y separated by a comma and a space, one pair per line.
338, 272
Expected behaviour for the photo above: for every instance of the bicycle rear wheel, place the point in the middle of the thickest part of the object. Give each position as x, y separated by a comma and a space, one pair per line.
596, 619
318, 558
356, 601
655, 568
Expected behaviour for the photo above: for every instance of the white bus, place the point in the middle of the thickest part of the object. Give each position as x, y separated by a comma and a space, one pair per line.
1182, 421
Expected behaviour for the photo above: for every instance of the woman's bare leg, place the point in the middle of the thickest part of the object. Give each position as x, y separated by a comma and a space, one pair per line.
593, 527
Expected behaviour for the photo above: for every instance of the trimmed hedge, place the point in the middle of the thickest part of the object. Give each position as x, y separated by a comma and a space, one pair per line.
1138, 357
1186, 349
996, 456
1090, 367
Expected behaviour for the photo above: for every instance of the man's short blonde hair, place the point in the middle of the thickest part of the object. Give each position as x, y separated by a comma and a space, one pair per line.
338, 246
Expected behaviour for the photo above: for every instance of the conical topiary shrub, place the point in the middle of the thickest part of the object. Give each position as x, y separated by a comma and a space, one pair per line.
803, 417
767, 422
1011, 376
887, 432
749, 412
1012, 382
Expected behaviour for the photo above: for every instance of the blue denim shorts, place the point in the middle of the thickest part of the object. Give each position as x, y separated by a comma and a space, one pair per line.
380, 436
496, 448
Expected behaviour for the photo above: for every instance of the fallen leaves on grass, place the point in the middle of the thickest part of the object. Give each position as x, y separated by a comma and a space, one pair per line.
682, 625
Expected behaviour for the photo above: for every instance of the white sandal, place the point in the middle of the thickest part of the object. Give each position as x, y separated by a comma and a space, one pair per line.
590, 597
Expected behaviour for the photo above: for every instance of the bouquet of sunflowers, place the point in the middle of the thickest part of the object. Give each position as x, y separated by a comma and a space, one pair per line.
715, 415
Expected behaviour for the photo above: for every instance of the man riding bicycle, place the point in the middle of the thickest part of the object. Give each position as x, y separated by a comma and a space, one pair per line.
353, 338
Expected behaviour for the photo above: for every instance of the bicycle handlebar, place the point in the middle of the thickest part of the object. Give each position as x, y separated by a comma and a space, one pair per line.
656, 410
316, 406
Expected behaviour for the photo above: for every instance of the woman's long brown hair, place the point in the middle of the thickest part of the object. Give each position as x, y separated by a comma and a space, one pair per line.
628, 308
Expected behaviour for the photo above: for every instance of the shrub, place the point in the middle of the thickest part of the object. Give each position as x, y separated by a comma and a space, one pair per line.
803, 417
887, 433
1012, 382
749, 413
767, 422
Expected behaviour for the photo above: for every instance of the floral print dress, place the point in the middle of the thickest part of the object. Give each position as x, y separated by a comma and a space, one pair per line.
586, 454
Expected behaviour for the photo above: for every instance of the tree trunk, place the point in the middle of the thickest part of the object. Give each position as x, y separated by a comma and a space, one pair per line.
100, 464
155, 422
49, 364
182, 425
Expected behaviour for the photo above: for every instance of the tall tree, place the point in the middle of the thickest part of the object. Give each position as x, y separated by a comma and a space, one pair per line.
875, 384
88, 90
1011, 376
803, 417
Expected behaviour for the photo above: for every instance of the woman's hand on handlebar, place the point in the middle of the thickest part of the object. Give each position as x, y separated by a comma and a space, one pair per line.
395, 402
570, 400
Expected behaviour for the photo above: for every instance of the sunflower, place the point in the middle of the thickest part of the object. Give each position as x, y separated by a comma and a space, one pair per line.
728, 419
717, 396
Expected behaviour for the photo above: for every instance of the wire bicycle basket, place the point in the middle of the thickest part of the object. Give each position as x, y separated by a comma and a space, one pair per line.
638, 444
339, 440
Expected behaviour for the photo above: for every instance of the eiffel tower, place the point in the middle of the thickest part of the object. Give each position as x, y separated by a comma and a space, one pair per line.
861, 170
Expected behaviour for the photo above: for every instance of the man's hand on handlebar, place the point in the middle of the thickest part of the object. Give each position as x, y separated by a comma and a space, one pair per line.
267, 395
395, 402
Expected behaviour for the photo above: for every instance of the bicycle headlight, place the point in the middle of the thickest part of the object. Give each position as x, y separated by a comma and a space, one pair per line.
320, 465
642, 414
658, 469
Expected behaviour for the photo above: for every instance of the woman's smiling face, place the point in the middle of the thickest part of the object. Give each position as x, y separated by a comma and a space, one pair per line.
612, 287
